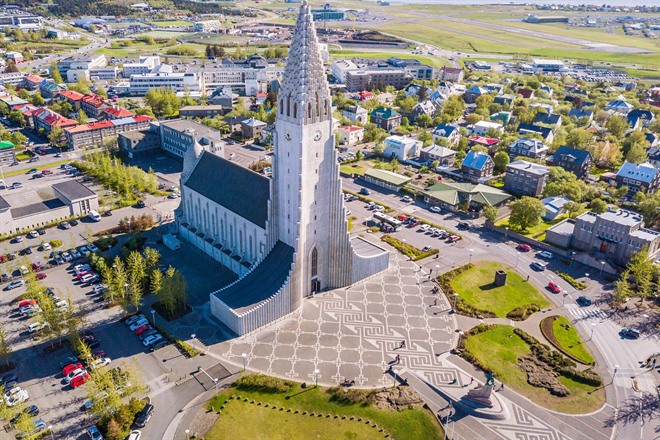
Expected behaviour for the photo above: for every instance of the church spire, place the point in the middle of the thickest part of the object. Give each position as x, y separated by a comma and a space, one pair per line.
305, 95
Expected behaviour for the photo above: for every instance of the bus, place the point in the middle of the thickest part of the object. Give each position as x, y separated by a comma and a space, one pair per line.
95, 216
395, 224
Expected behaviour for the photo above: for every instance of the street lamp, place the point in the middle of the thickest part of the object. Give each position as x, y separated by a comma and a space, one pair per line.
395, 375
563, 301
193, 340
460, 337
455, 299
215, 381
316, 378
593, 327
437, 270
244, 361
153, 317
616, 368
602, 265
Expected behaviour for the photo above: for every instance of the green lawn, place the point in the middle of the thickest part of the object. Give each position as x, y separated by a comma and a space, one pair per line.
249, 421
570, 340
177, 23
499, 350
353, 168
475, 287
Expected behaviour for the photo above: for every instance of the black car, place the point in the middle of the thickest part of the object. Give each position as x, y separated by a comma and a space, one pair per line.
365, 191
464, 225
68, 361
583, 301
629, 333
30, 411
73, 222
141, 204
41, 231
143, 416
11, 377
160, 344
28, 251
94, 343
5, 277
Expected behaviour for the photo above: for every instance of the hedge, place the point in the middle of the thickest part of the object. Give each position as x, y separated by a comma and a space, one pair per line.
407, 249
572, 281
523, 312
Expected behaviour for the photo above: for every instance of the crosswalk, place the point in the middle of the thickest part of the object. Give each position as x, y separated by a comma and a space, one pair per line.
587, 312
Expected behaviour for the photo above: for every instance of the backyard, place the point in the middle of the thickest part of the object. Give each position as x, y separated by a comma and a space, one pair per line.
476, 287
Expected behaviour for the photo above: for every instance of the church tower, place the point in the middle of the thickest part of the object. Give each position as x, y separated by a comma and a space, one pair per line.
309, 213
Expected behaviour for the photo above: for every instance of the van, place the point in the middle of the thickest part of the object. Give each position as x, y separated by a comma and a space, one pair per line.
95, 216
24, 270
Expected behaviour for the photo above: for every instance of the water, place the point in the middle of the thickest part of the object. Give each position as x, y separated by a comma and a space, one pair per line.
534, 2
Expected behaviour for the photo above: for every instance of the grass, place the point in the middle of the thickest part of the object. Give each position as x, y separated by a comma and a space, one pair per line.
407, 249
353, 168
499, 349
245, 422
475, 287
167, 23
431, 61
569, 340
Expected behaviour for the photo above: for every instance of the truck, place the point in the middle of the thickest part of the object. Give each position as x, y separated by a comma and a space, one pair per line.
171, 242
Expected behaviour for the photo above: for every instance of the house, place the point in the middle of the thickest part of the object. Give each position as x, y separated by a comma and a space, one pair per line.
32, 82
449, 132
551, 119
423, 108
49, 89
444, 155
350, 134
572, 160
356, 114
528, 147
451, 74
653, 154
401, 147
72, 97
203, 111
386, 118
547, 89
482, 127
46, 119
234, 124
93, 105
652, 138
638, 178
579, 113
451, 195
640, 118
477, 165
489, 143
364, 95
526, 93
12, 101
116, 112
546, 133
252, 128
619, 106
554, 207
525, 178
386, 179
473, 93
16, 57
504, 99
7, 153
503, 117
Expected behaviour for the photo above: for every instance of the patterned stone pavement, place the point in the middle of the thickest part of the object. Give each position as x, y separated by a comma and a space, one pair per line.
355, 333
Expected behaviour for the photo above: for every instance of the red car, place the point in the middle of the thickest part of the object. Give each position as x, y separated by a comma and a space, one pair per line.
554, 287
26, 302
46, 172
72, 367
79, 380
142, 329
41, 276
524, 247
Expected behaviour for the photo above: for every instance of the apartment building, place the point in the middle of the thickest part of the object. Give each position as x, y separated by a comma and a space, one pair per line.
177, 135
525, 178
362, 76
74, 68
93, 134
179, 82
146, 64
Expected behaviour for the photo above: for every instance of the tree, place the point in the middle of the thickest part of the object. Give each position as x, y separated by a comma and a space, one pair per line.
82, 117
55, 74
17, 118
491, 213
572, 209
636, 154
81, 86
156, 282
37, 100
579, 138
423, 93
501, 160
163, 102
622, 287
473, 118
5, 346
452, 108
526, 213
101, 92
424, 120
55, 136
617, 126
641, 269
11, 67
598, 206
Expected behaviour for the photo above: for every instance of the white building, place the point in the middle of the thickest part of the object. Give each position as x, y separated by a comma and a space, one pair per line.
548, 65
242, 78
146, 64
287, 238
59, 34
179, 82
74, 68
481, 127
207, 26
351, 134
21, 21
401, 147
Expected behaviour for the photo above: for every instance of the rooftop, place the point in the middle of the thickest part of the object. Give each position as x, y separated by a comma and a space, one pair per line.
528, 167
73, 190
387, 176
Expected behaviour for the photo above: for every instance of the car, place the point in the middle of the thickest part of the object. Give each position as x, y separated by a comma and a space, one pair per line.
435, 209
143, 328
99, 354
74, 373
18, 239
407, 199
32, 170
59, 261
26, 303
79, 380
41, 275
93, 344
92, 248
37, 427
30, 411
5, 277
100, 362
46, 247
75, 254
172, 189
65, 225
583, 301
145, 335
133, 319
7, 378
138, 323
100, 288
426, 248
71, 367
545, 254
629, 333
135, 434
15, 396
33, 234
100, 397
464, 225
16, 185
524, 247
27, 251
74, 222
537, 266
160, 344
15, 284
67, 257
173, 196
141, 204
152, 339
46, 172
364, 191
30, 310
68, 361
41, 231
144, 415
554, 287
453, 238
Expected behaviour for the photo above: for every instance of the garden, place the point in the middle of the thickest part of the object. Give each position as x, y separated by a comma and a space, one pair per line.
259, 406
478, 295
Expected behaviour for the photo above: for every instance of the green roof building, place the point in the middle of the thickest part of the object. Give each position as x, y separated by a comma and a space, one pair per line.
386, 179
7, 156
450, 195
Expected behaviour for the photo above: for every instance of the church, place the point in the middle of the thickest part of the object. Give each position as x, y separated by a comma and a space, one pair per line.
286, 237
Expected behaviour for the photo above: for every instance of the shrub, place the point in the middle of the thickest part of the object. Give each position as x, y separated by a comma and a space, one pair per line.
263, 383
105, 243
523, 312
55, 243
351, 395
572, 281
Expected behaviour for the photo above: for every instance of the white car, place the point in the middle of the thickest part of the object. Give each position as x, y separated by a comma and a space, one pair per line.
545, 254
29, 310
130, 321
67, 257
62, 305
33, 234
100, 362
435, 209
407, 199
100, 288
46, 247
65, 225
92, 248
37, 326
75, 373
152, 339
138, 323
134, 435
16, 395
424, 227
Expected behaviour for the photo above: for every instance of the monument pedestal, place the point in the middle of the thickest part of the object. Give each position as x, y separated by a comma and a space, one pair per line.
481, 402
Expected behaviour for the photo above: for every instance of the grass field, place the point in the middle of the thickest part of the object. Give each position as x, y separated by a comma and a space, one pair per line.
246, 422
475, 287
353, 168
570, 341
499, 350
176, 23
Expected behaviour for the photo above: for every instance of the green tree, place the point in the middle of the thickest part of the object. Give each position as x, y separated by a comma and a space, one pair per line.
572, 209
82, 117
37, 100
617, 126
423, 93
5, 346
424, 120
55, 137
156, 282
491, 213
579, 138
17, 118
598, 206
11, 67
55, 74
526, 213
501, 160
452, 108
636, 154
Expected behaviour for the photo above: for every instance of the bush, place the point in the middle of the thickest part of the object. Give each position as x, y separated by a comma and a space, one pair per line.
55, 243
523, 312
411, 251
572, 281
105, 243
263, 383
117, 425
351, 396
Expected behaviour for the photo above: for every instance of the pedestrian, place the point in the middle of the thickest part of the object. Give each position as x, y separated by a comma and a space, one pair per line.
471, 380
435, 302
451, 405
398, 358
501, 386
527, 277
403, 344
429, 276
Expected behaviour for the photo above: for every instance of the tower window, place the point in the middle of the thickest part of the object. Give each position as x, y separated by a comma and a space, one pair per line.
315, 261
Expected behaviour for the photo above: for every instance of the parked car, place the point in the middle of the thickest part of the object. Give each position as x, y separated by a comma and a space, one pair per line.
65, 225
144, 415
364, 191
583, 301
46, 247
33, 234
464, 225
7, 378
71, 367
145, 335
545, 254
100, 362
14, 284
426, 248
137, 319
537, 266
30, 411
93, 433
79, 380
141, 204
92, 248
453, 239
143, 328
554, 287
136, 434
15, 396
41, 275
435, 209
524, 247
77, 372
152, 339
629, 333
68, 361
407, 199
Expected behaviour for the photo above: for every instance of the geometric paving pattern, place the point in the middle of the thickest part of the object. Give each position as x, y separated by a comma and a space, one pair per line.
355, 334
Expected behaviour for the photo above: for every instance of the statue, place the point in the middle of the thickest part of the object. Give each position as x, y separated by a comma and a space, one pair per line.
481, 393
490, 380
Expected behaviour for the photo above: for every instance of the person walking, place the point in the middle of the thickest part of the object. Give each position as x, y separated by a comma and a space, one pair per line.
471, 380
403, 344
435, 302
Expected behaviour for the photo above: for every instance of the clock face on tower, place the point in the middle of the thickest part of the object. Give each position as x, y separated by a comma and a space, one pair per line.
317, 135
287, 136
